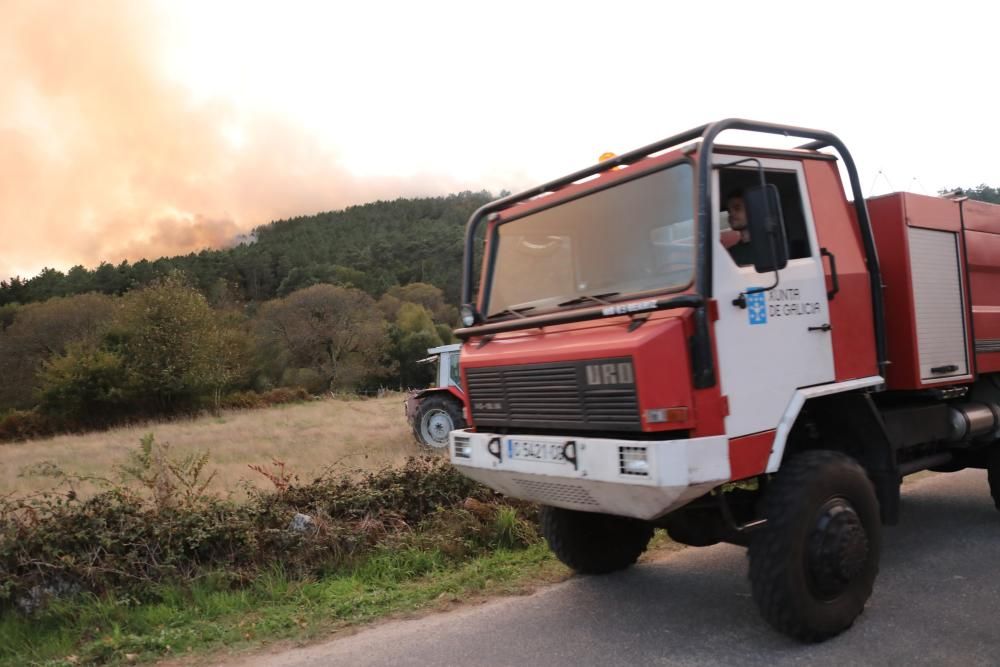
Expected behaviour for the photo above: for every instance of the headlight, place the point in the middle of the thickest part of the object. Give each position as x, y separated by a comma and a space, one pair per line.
463, 448
633, 461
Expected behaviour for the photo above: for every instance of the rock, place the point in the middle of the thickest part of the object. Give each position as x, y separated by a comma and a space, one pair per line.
38, 597
301, 523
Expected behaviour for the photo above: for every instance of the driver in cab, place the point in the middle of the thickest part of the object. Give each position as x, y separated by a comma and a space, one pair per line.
736, 239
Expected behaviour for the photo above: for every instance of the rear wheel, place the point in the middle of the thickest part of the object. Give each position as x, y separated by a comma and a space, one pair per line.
436, 416
813, 564
591, 543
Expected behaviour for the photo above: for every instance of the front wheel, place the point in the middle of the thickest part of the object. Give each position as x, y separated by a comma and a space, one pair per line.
814, 563
592, 543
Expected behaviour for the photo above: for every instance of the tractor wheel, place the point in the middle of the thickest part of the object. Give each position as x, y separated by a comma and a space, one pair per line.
592, 543
436, 416
813, 564
993, 472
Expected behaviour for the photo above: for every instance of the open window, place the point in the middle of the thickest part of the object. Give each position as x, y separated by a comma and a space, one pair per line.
732, 183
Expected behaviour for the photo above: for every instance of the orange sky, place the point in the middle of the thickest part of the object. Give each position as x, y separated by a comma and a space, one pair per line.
105, 157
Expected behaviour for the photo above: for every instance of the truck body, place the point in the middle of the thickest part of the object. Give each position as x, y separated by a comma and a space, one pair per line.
628, 369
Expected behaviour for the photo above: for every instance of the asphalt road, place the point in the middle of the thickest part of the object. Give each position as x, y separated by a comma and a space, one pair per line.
936, 602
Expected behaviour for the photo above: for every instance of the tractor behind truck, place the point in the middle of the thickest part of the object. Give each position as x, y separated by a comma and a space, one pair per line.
627, 366
436, 411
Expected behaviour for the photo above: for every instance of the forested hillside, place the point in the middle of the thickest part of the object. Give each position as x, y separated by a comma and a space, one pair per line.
371, 247
340, 301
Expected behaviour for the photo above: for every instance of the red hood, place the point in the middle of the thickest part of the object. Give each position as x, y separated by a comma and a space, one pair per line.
658, 349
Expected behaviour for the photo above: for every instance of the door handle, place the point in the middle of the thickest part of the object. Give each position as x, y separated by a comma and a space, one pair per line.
822, 327
834, 281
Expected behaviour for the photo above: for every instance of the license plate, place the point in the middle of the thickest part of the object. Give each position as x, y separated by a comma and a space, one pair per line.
535, 450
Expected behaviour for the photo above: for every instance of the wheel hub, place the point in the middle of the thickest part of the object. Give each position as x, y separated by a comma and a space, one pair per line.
838, 548
437, 425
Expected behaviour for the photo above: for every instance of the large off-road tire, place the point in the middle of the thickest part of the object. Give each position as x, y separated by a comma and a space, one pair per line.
813, 564
993, 472
436, 416
591, 543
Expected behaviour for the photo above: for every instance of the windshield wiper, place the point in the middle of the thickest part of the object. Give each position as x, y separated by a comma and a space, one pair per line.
519, 312
596, 298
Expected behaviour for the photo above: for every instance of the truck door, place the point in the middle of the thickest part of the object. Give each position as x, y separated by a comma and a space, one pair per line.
781, 340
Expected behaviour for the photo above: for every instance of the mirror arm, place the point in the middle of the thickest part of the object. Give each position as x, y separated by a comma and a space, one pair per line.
741, 300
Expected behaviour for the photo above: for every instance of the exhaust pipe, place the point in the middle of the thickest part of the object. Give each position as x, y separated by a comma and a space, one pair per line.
973, 420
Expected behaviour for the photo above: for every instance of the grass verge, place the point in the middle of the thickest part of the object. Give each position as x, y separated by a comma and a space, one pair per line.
201, 618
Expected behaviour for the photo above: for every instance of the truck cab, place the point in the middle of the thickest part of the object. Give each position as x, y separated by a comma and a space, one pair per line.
638, 353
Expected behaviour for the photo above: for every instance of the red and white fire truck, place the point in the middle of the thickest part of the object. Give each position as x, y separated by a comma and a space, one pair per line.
628, 369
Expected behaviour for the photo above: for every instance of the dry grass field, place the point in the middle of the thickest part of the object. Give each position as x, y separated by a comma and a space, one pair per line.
309, 438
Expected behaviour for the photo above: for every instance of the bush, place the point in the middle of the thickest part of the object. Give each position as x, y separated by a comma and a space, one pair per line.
85, 385
252, 400
25, 425
177, 351
164, 352
158, 526
283, 395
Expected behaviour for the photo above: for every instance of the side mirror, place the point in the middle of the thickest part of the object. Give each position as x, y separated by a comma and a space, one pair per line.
470, 316
767, 228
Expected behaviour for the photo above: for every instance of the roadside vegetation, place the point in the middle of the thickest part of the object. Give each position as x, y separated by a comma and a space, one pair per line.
154, 564
203, 618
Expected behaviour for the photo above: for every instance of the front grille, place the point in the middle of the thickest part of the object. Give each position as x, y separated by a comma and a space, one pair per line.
597, 394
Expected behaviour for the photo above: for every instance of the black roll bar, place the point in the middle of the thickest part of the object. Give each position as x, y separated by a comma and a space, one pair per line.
703, 366
496, 206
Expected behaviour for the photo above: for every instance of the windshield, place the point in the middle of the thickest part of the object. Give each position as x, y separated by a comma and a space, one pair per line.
632, 237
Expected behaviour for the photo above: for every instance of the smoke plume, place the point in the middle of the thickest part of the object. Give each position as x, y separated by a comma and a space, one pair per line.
106, 158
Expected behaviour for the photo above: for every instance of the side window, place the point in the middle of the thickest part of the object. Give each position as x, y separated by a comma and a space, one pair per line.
453, 372
734, 234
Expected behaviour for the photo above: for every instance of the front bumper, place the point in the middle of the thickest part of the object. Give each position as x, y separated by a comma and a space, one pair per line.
677, 472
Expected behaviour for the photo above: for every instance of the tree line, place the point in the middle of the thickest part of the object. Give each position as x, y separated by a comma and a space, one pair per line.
371, 247
92, 359
981, 192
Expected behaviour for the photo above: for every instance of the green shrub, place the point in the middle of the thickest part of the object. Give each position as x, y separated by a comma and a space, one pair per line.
85, 385
158, 527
